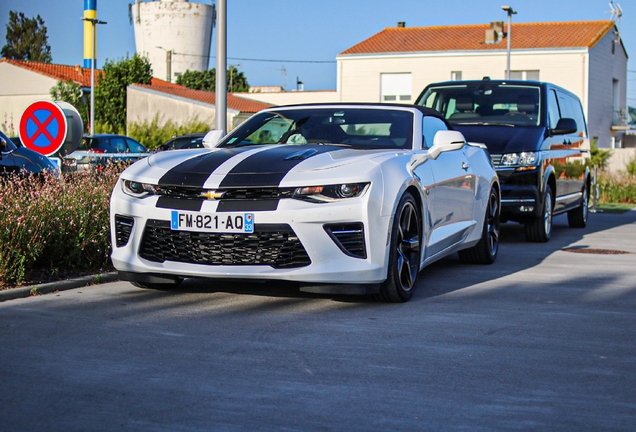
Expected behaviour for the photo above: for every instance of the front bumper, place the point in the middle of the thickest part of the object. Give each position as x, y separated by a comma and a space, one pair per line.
326, 262
520, 194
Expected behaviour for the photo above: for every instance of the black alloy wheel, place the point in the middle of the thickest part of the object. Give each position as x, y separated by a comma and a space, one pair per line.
485, 252
405, 252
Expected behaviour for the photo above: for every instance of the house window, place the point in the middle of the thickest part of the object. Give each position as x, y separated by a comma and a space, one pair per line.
456, 75
395, 87
525, 75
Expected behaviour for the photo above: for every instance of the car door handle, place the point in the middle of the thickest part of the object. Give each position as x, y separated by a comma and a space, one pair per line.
465, 166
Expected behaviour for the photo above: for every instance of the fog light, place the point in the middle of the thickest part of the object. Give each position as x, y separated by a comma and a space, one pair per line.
526, 208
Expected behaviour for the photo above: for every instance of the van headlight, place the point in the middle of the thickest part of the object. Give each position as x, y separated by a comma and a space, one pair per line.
523, 159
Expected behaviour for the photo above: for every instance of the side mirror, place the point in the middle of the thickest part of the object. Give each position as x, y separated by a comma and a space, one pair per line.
446, 140
565, 126
212, 138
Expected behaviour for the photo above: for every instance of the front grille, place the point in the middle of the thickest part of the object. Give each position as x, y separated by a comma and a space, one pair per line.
231, 194
275, 245
123, 228
496, 160
349, 237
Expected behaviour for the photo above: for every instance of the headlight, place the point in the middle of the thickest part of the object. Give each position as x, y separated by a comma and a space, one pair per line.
522, 159
331, 192
138, 190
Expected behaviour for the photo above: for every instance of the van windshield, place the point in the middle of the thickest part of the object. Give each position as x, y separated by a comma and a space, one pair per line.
485, 103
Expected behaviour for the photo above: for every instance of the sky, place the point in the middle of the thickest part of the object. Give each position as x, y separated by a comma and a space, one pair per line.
300, 39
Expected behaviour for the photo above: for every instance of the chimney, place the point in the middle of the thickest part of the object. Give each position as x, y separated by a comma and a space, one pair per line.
78, 69
495, 33
401, 24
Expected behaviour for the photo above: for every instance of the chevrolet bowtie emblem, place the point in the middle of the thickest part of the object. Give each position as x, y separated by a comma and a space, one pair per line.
211, 195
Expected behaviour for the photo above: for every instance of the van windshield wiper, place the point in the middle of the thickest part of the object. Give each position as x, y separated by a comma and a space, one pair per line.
484, 124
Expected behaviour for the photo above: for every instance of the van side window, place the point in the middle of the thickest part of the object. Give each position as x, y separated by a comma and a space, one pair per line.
430, 126
577, 115
553, 109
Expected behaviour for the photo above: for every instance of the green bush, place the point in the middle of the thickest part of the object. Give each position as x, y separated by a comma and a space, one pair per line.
617, 188
55, 222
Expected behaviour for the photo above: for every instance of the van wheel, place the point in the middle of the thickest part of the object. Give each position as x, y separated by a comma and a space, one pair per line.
577, 218
485, 252
538, 230
404, 254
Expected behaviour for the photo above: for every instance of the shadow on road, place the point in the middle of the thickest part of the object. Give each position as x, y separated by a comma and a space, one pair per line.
449, 274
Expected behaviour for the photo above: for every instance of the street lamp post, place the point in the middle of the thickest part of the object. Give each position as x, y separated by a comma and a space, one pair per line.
94, 22
510, 12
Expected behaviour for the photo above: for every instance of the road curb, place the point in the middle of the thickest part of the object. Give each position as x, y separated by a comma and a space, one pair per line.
63, 285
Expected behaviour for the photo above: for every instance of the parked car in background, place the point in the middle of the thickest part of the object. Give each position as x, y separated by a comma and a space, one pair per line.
98, 150
193, 140
341, 198
14, 159
537, 137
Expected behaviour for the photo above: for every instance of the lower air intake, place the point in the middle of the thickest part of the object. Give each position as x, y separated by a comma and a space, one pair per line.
349, 237
275, 245
123, 228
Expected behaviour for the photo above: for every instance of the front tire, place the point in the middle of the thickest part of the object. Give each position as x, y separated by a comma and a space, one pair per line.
485, 252
405, 252
538, 230
577, 218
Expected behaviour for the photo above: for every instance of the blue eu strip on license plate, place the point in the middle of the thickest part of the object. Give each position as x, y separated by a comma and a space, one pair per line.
212, 222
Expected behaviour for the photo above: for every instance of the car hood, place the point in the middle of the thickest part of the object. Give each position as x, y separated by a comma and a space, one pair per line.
254, 166
32, 161
504, 139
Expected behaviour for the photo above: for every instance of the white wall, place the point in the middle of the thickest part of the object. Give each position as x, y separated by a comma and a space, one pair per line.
293, 97
18, 89
144, 104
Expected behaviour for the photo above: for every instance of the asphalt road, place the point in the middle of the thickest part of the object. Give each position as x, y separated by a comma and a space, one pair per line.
544, 339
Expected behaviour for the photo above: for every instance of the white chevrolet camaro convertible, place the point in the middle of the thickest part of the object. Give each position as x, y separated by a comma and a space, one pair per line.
341, 198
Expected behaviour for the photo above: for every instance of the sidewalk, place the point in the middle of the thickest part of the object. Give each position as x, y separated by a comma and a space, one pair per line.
63, 285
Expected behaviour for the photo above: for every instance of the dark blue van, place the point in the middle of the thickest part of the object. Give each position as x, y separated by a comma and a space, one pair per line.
537, 137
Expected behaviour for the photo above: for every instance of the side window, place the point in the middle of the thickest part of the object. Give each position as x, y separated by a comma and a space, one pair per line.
118, 144
134, 146
577, 114
430, 126
553, 109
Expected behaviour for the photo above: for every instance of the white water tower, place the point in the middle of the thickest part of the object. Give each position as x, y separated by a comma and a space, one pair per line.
175, 35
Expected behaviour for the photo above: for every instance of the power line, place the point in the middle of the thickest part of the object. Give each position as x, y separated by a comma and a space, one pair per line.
282, 61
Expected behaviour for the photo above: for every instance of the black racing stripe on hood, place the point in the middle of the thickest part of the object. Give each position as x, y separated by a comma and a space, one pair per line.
195, 171
269, 167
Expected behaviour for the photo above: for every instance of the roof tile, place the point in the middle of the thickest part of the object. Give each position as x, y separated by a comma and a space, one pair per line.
472, 37
82, 76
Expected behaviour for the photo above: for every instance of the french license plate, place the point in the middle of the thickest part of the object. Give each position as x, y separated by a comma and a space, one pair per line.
213, 222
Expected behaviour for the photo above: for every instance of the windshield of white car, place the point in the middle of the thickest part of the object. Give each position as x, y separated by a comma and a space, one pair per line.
360, 128
485, 104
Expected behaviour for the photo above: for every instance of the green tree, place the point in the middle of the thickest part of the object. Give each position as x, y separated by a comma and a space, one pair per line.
70, 92
110, 92
26, 39
206, 80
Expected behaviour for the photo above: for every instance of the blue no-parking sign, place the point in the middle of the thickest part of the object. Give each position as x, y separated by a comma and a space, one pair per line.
43, 127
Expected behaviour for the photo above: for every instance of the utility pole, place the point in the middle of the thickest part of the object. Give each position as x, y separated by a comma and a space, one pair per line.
221, 66
510, 12
94, 22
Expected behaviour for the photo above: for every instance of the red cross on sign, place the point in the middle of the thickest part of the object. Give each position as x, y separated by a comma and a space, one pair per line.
43, 127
